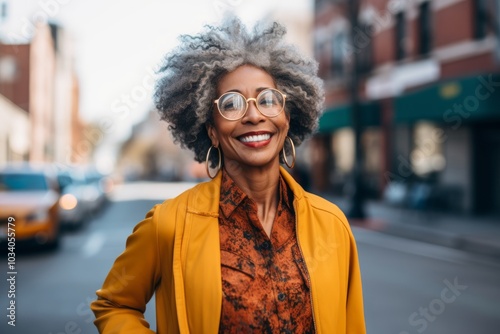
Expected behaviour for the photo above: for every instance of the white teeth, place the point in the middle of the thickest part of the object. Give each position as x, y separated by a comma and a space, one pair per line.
249, 139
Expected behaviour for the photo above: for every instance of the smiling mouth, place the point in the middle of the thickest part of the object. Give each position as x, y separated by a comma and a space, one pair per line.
255, 138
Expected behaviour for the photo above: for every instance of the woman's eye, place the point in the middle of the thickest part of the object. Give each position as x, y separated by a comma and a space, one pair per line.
228, 106
234, 104
268, 101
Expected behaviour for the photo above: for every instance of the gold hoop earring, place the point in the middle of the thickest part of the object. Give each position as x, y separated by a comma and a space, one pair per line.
293, 153
207, 162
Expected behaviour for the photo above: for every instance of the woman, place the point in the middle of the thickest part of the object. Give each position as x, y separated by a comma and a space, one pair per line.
250, 251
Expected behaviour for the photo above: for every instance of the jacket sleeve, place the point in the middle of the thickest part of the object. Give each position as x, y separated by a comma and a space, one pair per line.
355, 310
131, 283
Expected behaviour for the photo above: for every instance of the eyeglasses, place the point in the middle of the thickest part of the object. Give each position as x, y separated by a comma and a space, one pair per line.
233, 106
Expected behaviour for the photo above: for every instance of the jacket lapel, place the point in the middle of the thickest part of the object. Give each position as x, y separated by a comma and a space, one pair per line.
200, 254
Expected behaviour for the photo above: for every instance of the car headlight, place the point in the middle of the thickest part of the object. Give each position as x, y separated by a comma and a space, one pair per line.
40, 214
68, 202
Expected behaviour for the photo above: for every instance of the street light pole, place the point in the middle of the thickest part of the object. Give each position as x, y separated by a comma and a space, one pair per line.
356, 209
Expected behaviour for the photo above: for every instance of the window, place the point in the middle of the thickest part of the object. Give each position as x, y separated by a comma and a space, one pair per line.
8, 69
3, 11
23, 182
343, 150
340, 48
427, 157
425, 28
323, 57
400, 36
319, 5
366, 50
480, 19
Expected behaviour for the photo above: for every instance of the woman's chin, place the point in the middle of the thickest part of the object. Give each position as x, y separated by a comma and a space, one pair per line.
250, 164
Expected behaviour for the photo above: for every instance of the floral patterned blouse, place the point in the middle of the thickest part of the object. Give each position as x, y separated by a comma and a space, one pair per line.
265, 283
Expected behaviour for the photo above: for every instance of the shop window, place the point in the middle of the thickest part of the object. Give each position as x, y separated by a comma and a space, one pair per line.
343, 150
343, 153
371, 143
427, 157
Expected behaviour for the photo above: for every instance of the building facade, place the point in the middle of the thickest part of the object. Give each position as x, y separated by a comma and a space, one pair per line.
39, 78
430, 110
14, 134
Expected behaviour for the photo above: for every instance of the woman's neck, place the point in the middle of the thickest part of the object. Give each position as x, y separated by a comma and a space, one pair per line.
262, 186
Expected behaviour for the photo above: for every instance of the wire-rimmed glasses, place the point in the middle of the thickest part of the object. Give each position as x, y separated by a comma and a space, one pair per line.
233, 106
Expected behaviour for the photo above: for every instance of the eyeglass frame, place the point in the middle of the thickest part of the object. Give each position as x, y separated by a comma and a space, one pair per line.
216, 102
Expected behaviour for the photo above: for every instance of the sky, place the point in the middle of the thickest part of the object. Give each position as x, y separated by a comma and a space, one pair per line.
117, 44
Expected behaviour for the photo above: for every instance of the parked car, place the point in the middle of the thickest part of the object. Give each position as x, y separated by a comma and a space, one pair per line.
100, 186
77, 198
30, 196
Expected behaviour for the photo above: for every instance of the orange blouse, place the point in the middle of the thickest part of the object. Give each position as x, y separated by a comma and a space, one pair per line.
265, 282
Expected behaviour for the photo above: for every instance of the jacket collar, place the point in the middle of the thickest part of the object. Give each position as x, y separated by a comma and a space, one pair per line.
297, 190
205, 200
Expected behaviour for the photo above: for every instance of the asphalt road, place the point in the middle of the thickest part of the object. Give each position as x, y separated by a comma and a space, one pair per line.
409, 286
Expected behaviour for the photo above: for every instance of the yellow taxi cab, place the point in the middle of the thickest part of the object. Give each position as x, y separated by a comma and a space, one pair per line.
29, 206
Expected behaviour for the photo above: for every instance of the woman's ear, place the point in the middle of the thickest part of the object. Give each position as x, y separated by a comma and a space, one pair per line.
288, 117
212, 134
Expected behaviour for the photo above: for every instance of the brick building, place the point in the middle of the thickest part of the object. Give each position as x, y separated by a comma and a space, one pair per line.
430, 110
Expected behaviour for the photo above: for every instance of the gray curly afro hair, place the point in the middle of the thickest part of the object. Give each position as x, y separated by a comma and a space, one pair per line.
187, 86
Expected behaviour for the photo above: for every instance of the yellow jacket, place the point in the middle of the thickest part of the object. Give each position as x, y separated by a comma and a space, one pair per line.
175, 253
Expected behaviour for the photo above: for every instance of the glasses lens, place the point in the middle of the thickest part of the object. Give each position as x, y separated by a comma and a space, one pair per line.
270, 102
232, 105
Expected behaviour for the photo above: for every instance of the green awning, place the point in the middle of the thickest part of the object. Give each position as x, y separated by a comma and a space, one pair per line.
453, 101
337, 117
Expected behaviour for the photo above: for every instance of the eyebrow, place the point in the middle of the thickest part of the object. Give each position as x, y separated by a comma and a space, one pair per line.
258, 90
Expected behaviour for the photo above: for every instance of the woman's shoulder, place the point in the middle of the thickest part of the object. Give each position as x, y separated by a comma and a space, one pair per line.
203, 196
322, 203
325, 208
317, 203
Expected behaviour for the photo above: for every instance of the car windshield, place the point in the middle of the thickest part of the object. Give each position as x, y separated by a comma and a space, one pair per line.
23, 182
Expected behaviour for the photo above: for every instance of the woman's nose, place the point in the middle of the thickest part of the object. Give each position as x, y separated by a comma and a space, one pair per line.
253, 114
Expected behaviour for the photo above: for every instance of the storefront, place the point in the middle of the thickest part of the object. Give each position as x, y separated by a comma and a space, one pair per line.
441, 143
454, 134
334, 147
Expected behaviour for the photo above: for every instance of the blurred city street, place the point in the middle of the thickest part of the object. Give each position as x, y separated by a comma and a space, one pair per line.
409, 286
407, 145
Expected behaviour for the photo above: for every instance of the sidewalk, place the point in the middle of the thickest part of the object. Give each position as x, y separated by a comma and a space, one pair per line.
479, 235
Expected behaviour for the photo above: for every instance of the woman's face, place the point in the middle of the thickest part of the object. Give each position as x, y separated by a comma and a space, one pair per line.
254, 140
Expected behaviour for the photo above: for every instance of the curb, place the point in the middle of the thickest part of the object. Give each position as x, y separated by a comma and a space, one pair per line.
472, 244
479, 242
